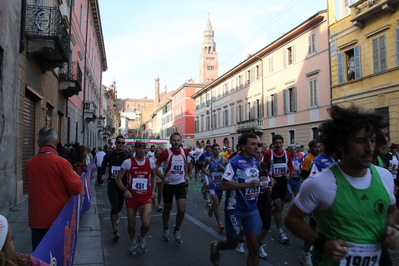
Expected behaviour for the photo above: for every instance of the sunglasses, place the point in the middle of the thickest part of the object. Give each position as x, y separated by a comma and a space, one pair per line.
258, 151
120, 142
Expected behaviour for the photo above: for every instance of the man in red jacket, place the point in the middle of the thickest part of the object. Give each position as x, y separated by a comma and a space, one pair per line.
51, 182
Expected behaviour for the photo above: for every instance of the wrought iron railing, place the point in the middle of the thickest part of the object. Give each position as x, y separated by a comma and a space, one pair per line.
90, 106
362, 6
46, 23
71, 71
251, 124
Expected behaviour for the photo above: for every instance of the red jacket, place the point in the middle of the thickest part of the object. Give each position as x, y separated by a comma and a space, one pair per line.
51, 182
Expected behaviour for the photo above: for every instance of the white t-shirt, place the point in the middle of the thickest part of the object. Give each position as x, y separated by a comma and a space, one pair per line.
127, 164
318, 192
197, 153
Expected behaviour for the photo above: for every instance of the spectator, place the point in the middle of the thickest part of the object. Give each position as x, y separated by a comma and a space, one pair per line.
51, 181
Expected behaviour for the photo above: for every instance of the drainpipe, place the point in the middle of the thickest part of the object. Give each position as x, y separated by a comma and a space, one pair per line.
23, 27
84, 72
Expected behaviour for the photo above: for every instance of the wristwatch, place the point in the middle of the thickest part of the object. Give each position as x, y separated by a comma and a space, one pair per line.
124, 190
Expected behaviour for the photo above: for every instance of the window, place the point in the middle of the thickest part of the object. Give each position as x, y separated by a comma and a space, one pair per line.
248, 76
313, 92
379, 54
349, 65
292, 136
232, 115
271, 70
289, 55
225, 118
239, 113
239, 81
214, 121
256, 110
312, 43
257, 72
384, 112
290, 100
202, 124
315, 133
209, 67
272, 105
208, 123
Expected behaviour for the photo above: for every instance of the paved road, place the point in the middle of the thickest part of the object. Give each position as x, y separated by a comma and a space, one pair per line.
198, 230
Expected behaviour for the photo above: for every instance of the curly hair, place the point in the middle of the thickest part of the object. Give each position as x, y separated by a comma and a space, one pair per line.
345, 121
19, 259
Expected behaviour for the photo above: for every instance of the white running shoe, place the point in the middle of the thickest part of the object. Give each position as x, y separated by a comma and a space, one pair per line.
177, 236
282, 237
165, 236
240, 248
142, 245
262, 252
132, 248
306, 258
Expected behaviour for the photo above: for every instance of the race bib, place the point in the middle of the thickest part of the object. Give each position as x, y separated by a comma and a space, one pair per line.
279, 169
115, 171
251, 193
177, 168
217, 177
362, 255
139, 185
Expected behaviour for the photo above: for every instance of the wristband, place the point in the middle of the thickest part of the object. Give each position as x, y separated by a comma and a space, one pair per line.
320, 241
124, 190
395, 227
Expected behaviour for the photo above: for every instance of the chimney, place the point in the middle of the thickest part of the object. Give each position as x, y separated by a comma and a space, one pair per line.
156, 92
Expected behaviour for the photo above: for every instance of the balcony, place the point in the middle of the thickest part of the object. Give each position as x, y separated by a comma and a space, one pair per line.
100, 123
90, 111
70, 79
107, 132
47, 36
253, 125
365, 9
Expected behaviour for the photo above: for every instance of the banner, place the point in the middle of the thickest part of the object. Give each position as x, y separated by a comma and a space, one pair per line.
57, 248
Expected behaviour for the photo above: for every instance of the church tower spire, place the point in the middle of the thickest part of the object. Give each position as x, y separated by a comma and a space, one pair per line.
209, 66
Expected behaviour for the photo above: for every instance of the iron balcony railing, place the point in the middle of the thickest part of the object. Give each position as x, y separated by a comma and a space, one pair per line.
45, 22
250, 124
71, 72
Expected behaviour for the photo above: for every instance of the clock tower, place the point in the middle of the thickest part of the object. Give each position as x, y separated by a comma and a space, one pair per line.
209, 66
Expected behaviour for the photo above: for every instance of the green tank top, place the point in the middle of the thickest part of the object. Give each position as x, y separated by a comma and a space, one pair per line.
357, 215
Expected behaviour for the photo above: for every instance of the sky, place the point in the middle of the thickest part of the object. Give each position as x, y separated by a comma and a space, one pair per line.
162, 39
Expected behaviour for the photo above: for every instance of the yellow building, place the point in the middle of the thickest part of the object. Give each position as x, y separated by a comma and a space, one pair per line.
364, 45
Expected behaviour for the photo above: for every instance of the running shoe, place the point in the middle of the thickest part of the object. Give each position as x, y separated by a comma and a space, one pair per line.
165, 235
132, 248
282, 237
115, 236
221, 228
306, 258
240, 248
215, 255
159, 208
262, 252
142, 245
177, 236
210, 209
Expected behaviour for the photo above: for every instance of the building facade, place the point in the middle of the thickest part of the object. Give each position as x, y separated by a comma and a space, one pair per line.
364, 41
43, 66
281, 89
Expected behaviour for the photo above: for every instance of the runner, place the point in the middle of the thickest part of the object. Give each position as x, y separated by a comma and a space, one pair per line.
139, 192
348, 234
175, 178
216, 164
241, 181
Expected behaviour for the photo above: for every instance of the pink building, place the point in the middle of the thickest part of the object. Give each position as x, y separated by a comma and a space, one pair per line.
283, 89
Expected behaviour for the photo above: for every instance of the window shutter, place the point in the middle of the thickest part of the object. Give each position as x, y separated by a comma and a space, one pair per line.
294, 99
375, 55
358, 72
311, 96
337, 10
340, 57
293, 51
268, 108
309, 44
285, 99
275, 104
397, 45
383, 61
285, 57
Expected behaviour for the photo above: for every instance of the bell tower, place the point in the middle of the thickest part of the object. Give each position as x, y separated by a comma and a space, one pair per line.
209, 66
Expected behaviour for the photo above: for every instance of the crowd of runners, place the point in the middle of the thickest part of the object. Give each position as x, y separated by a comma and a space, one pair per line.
345, 182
